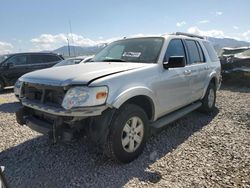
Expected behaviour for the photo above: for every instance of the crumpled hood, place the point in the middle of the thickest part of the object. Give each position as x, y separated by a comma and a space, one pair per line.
77, 74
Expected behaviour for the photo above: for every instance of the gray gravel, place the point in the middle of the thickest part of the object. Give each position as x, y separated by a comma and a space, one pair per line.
196, 151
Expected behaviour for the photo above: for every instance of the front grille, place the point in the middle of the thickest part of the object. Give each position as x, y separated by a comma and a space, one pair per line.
49, 95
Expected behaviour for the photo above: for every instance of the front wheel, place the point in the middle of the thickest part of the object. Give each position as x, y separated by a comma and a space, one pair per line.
208, 102
128, 134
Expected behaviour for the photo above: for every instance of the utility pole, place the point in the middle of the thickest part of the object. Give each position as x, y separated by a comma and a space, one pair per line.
68, 47
70, 29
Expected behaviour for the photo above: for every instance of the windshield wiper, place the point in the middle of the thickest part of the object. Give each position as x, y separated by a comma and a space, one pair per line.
113, 60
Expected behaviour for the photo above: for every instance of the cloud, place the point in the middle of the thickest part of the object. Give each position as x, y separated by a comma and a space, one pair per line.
5, 47
204, 21
218, 13
208, 33
236, 27
51, 42
246, 35
180, 24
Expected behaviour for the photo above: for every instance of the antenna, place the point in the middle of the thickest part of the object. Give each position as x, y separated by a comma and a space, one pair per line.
70, 29
68, 47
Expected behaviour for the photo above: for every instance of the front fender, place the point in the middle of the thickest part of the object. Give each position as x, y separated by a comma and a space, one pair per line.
133, 92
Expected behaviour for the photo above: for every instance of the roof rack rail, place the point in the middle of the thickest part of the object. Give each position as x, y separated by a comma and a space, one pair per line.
189, 35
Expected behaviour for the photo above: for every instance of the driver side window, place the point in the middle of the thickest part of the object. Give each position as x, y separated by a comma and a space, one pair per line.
18, 60
175, 48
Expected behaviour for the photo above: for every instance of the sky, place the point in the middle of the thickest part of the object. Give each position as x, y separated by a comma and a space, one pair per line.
35, 25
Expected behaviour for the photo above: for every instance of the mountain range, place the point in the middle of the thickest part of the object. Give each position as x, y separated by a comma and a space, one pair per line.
218, 44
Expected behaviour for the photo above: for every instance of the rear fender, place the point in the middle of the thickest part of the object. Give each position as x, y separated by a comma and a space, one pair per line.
211, 76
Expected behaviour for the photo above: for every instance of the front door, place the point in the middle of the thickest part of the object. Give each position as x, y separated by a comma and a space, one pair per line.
174, 89
16, 67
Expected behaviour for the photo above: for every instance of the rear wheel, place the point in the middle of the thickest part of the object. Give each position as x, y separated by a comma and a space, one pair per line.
128, 134
208, 102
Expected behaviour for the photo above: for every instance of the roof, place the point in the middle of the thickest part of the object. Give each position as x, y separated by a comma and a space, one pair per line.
30, 53
179, 34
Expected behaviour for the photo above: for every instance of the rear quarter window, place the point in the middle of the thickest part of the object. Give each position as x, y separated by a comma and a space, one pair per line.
211, 52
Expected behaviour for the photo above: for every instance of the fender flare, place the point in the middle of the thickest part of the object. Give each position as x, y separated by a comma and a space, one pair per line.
211, 76
133, 92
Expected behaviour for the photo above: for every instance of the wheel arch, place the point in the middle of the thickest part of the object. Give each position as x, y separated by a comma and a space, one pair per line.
213, 79
140, 96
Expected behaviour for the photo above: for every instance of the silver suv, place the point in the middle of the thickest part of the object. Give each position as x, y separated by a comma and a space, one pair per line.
130, 87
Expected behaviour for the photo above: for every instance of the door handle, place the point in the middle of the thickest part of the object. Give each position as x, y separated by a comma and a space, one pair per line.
187, 72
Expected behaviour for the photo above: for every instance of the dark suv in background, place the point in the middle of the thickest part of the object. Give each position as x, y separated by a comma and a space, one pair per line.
13, 66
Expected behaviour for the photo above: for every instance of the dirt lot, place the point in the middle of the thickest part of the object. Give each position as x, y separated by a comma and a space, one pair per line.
196, 151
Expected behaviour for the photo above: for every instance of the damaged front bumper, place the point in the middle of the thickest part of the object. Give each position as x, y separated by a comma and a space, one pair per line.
62, 125
78, 112
56, 130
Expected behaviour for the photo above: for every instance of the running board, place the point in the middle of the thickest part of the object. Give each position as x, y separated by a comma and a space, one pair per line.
175, 115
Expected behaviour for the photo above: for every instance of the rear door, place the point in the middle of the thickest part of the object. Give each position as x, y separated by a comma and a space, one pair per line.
42, 61
50, 60
174, 89
196, 67
36, 62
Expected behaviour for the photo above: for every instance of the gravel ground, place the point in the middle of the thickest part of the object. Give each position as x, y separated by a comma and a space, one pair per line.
195, 151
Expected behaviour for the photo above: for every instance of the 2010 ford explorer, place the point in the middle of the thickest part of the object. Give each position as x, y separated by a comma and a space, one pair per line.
130, 87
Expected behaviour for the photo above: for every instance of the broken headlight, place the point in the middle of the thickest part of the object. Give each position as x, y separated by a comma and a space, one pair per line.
84, 97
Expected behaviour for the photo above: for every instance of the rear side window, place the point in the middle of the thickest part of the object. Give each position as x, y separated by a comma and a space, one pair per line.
36, 59
195, 52
51, 58
175, 48
211, 52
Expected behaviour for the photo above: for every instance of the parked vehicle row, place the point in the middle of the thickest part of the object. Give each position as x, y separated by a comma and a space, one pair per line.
65, 62
13, 66
132, 86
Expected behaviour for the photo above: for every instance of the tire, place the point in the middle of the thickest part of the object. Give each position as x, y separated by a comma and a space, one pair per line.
126, 140
208, 102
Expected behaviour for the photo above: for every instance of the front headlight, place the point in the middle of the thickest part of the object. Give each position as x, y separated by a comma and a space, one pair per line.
85, 97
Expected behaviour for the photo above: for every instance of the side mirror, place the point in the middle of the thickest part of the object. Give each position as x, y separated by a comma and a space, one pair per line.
175, 62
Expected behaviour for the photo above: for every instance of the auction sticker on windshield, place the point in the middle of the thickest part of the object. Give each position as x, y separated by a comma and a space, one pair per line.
132, 54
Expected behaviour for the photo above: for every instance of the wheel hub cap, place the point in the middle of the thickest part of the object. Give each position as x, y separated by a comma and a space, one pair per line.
132, 134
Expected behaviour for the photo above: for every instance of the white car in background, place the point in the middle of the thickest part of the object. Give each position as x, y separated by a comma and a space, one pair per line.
74, 60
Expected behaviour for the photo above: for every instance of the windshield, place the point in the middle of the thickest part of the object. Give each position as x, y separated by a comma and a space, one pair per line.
3, 57
68, 62
141, 50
